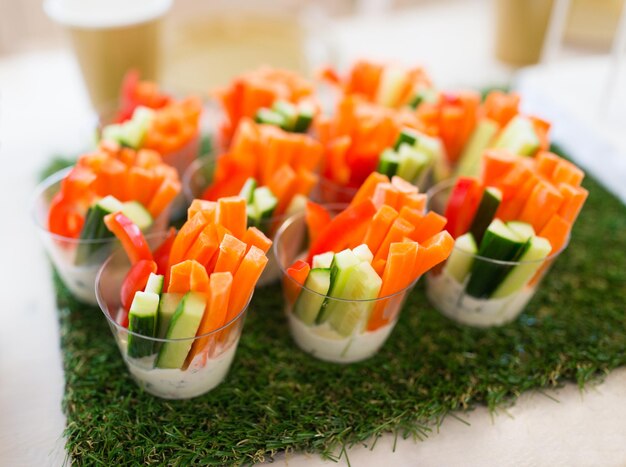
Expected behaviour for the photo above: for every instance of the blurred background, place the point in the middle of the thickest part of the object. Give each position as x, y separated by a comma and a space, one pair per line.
206, 43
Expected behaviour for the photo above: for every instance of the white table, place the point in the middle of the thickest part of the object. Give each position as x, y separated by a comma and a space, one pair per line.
43, 108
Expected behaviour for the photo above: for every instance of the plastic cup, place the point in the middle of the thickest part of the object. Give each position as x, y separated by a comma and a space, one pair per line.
206, 371
330, 192
197, 178
77, 261
109, 37
449, 295
323, 341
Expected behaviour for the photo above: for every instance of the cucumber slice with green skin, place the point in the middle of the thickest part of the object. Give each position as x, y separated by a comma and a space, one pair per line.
247, 190
483, 134
412, 162
363, 253
406, 136
167, 307
142, 319
342, 267
309, 304
499, 243
518, 137
183, 325
435, 151
154, 284
323, 260
306, 113
388, 163
460, 262
538, 249
264, 203
296, 205
137, 213
94, 228
523, 229
424, 95
269, 117
491, 199
288, 111
349, 317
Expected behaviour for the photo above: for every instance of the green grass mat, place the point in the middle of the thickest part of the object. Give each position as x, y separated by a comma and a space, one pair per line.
277, 399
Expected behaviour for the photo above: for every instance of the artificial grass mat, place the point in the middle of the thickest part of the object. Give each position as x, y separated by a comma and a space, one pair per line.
276, 398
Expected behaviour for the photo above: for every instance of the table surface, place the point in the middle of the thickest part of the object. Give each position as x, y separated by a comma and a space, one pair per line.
43, 110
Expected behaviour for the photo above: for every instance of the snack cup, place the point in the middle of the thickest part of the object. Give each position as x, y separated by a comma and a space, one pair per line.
208, 368
197, 178
77, 261
505, 300
343, 337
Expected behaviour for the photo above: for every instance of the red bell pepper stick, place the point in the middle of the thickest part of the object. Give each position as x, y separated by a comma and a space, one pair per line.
130, 235
462, 205
345, 230
162, 253
135, 281
298, 271
65, 218
317, 217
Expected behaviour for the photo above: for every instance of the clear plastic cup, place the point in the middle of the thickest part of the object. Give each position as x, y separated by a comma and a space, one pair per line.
330, 192
332, 342
503, 305
206, 371
77, 261
195, 181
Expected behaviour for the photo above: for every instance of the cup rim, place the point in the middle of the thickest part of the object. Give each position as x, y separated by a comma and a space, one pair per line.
445, 184
344, 189
104, 309
278, 237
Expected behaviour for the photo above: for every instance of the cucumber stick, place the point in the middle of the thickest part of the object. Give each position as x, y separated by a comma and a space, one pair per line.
142, 319
460, 260
388, 163
530, 262
483, 134
499, 243
364, 284
323, 260
183, 325
247, 190
94, 228
310, 302
167, 307
306, 112
392, 83
154, 284
407, 136
489, 203
137, 213
413, 161
363, 253
342, 267
269, 117
296, 205
518, 137
288, 111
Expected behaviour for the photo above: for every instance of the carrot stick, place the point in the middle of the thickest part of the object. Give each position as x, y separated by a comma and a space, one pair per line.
188, 235
298, 271
214, 317
368, 187
557, 232
573, 199
431, 224
201, 205
179, 277
231, 213
546, 162
403, 186
166, 193
399, 229
566, 172
205, 246
378, 228
254, 237
435, 250
198, 278
544, 201
232, 251
245, 279
496, 163
386, 194
415, 201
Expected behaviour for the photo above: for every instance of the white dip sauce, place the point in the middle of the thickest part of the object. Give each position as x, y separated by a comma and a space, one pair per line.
325, 343
175, 383
450, 299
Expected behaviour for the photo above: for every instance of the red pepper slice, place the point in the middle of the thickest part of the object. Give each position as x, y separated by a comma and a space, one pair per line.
462, 205
65, 218
346, 230
130, 235
135, 281
76, 185
162, 253
298, 271
317, 218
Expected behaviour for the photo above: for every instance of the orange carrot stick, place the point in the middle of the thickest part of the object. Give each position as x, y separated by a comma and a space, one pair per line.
557, 232
245, 279
201, 205
566, 172
187, 236
232, 251
254, 237
386, 194
298, 271
166, 193
198, 278
544, 201
179, 277
546, 162
435, 250
378, 228
368, 187
231, 213
573, 199
205, 246
399, 229
431, 224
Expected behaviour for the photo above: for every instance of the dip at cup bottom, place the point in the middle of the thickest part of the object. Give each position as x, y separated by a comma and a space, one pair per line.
449, 297
324, 343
